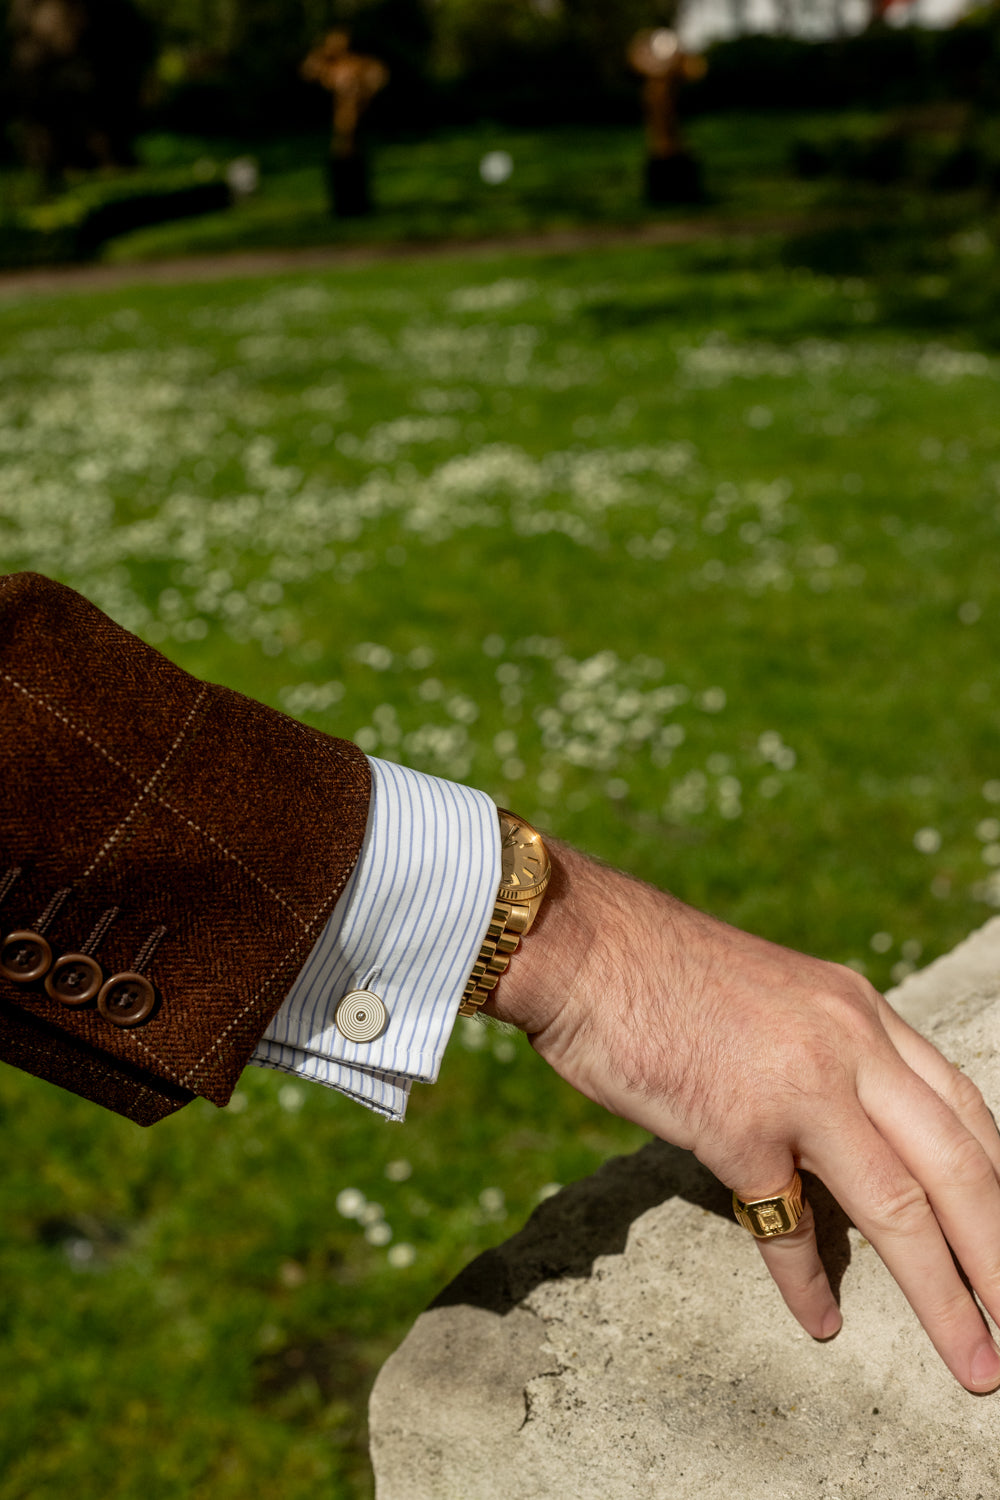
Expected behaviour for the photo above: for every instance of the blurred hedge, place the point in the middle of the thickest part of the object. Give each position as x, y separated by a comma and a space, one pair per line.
233, 69
883, 67
554, 75
564, 68
74, 225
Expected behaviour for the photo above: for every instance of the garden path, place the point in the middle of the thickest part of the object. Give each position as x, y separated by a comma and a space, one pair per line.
87, 278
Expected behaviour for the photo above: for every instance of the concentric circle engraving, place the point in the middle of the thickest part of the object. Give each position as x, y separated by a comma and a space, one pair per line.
361, 1016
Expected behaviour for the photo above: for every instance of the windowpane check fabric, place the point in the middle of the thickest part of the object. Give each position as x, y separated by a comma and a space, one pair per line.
415, 911
126, 785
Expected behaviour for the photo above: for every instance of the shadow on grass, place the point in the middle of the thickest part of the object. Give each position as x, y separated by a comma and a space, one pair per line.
933, 268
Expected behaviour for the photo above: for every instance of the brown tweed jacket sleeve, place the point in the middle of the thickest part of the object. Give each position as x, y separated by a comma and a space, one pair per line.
169, 853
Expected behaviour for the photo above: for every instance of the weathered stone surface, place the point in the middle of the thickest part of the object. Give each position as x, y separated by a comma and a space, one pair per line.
628, 1342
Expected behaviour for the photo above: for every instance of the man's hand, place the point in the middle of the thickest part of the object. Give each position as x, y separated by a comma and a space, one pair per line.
760, 1060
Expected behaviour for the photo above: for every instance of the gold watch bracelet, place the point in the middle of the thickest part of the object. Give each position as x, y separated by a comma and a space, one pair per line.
507, 925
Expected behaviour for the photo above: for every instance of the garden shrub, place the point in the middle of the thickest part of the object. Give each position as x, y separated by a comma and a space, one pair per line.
77, 223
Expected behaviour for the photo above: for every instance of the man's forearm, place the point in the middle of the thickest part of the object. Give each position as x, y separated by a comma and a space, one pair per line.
137, 801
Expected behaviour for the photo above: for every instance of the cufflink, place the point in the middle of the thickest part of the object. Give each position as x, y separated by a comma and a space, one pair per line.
361, 1016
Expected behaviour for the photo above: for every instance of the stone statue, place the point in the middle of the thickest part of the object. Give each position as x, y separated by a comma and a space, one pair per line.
672, 173
353, 79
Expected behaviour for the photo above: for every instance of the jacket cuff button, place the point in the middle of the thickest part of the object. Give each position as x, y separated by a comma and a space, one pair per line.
24, 957
127, 1000
74, 979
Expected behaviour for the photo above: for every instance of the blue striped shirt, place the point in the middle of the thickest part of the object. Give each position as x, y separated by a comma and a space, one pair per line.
415, 912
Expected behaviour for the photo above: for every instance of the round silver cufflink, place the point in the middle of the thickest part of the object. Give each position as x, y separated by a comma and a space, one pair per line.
361, 1016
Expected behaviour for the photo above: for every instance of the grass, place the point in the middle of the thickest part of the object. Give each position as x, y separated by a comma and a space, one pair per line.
687, 554
431, 189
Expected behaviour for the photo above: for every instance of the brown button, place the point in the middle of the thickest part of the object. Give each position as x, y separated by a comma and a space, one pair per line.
127, 1000
74, 979
25, 957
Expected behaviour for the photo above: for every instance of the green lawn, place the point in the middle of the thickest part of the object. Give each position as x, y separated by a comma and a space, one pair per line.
689, 555
431, 188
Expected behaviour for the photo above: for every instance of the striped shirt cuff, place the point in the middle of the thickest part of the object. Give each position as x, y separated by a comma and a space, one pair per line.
415, 912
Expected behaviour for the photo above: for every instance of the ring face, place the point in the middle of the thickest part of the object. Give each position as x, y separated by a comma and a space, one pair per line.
767, 1218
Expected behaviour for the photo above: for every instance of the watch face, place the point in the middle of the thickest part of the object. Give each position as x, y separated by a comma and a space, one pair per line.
524, 863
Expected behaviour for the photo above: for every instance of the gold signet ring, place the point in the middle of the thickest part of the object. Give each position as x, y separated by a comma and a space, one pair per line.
767, 1218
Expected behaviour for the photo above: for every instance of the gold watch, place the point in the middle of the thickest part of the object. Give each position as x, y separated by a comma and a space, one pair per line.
524, 875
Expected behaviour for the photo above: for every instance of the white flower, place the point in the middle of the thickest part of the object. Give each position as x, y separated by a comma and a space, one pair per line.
350, 1202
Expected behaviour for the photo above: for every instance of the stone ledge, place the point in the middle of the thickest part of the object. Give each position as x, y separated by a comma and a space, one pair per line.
628, 1342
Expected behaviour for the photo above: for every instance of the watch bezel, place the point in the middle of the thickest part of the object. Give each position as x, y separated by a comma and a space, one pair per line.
520, 894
